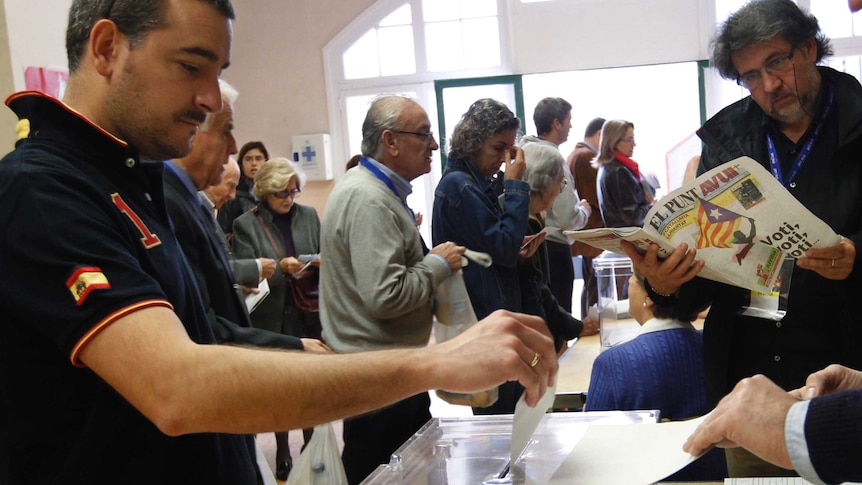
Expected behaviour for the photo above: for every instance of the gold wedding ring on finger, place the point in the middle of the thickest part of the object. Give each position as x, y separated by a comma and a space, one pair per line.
535, 361
833, 263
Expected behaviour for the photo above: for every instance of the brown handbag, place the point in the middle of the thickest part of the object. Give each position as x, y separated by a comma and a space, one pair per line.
304, 284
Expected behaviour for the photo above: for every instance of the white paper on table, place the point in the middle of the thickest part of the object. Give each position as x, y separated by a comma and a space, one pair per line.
627, 454
527, 419
252, 300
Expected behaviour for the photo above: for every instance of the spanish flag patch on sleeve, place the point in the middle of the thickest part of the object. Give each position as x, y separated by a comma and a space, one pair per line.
84, 280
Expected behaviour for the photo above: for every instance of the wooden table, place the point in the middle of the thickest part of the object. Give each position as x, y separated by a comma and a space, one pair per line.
577, 364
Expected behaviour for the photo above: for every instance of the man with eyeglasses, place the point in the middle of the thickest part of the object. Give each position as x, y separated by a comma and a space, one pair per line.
804, 123
378, 279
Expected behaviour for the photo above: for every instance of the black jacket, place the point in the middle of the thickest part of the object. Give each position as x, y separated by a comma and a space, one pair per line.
209, 262
820, 326
621, 196
537, 298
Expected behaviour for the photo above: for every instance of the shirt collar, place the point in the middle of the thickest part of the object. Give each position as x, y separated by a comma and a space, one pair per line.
182, 175
402, 185
660, 324
463, 165
205, 200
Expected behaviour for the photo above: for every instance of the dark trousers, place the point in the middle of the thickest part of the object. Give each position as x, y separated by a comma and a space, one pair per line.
562, 273
370, 439
590, 293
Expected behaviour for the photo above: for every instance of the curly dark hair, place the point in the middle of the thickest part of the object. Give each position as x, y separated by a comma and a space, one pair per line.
485, 118
761, 20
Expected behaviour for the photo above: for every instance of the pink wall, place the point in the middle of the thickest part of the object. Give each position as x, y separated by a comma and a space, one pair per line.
277, 66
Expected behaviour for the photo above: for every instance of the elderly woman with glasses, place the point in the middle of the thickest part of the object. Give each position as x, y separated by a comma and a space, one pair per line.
283, 230
620, 186
547, 180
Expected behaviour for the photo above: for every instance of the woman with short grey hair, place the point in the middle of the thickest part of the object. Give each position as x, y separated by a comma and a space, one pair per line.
544, 167
547, 180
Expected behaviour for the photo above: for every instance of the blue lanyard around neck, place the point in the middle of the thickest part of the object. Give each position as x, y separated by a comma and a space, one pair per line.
806, 148
386, 180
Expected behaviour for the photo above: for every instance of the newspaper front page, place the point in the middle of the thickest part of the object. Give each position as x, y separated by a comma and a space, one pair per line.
741, 220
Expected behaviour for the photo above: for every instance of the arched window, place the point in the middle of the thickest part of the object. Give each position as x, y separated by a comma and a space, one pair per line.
399, 46
403, 46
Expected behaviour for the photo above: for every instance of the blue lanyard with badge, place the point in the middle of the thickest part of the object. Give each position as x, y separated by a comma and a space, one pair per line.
773, 305
385, 179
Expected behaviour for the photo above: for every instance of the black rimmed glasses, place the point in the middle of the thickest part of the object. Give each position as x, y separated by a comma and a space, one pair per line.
754, 79
427, 137
283, 194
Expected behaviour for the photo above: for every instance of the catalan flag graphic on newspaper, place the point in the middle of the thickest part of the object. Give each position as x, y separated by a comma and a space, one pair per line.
717, 225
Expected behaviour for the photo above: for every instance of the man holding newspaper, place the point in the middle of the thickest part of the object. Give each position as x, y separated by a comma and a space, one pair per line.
804, 124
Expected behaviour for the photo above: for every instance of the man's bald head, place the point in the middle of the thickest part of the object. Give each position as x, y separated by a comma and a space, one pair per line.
226, 190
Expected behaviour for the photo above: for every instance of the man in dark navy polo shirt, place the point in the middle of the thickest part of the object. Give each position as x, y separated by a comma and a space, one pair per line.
107, 362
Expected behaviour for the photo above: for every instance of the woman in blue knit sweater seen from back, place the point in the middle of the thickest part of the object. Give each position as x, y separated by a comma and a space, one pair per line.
662, 368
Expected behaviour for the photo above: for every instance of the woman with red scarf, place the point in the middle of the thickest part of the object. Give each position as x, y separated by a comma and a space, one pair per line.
622, 198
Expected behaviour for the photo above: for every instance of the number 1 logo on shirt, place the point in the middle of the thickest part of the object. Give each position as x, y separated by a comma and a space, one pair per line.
149, 240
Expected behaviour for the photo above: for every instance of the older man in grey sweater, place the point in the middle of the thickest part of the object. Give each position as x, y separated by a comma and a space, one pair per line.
377, 277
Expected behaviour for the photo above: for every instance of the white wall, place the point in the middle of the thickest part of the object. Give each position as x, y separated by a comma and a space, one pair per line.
37, 35
31, 36
585, 34
277, 66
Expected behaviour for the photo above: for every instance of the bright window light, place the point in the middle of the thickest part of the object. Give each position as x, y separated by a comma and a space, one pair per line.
385, 50
481, 42
396, 51
445, 46
361, 59
403, 15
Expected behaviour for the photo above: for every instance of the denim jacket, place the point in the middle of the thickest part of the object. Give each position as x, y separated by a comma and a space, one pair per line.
466, 212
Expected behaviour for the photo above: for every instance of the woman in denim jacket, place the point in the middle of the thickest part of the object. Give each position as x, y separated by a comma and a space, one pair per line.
473, 209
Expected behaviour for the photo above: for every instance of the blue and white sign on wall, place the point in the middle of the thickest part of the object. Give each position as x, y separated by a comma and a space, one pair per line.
314, 154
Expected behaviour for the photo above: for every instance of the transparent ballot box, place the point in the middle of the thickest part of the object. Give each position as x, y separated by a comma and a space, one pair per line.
474, 450
616, 324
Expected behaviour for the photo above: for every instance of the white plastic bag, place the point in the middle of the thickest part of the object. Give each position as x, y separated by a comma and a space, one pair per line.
454, 312
453, 307
320, 462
